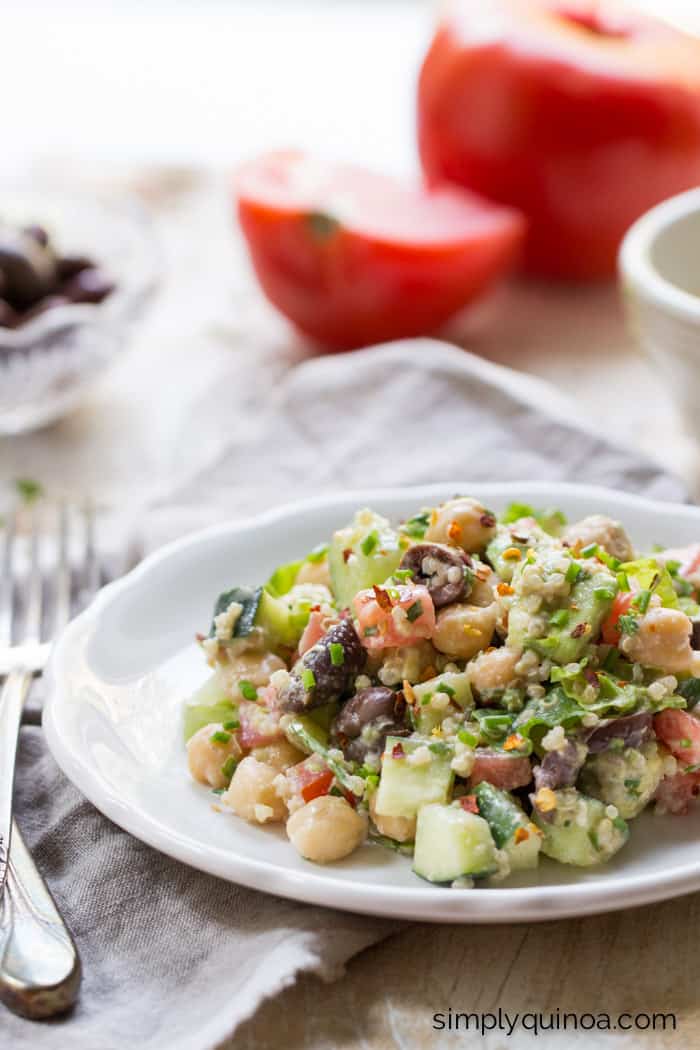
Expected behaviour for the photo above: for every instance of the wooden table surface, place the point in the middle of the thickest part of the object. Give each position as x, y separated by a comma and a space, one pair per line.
641, 960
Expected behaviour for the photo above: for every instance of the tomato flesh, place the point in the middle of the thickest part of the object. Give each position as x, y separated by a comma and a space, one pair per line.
352, 257
610, 630
680, 732
398, 616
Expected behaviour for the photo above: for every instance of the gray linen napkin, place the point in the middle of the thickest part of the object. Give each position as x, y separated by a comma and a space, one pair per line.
176, 959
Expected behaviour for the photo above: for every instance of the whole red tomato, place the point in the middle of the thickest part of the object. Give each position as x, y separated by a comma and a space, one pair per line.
353, 258
579, 113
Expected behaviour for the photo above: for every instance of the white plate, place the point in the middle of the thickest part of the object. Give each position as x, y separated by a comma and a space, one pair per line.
121, 671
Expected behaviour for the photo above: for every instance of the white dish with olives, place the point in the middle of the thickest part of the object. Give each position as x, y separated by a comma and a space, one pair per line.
447, 708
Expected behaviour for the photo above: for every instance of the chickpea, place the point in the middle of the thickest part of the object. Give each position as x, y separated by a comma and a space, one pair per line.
315, 572
663, 641
494, 669
464, 523
280, 755
461, 631
482, 592
597, 528
252, 794
326, 829
206, 757
251, 666
402, 829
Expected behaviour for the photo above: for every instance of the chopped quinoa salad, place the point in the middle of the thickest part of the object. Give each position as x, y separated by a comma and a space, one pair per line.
470, 690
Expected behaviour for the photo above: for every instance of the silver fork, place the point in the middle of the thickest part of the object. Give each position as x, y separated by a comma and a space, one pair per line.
39, 964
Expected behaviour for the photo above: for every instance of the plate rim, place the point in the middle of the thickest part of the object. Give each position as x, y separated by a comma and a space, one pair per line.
425, 903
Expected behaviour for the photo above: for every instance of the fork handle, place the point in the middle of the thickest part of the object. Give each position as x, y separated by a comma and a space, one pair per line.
40, 969
14, 693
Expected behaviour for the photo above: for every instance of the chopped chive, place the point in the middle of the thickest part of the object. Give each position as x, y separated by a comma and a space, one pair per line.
220, 737
642, 601
337, 654
589, 551
308, 679
627, 624
369, 542
573, 572
369, 632
247, 690
229, 767
685, 743
560, 618
445, 688
414, 611
467, 738
623, 581
673, 567
217, 791
603, 594
232, 724
426, 699
620, 824
401, 575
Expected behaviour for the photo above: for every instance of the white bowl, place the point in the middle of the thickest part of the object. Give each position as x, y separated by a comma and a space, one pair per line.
121, 672
50, 363
660, 272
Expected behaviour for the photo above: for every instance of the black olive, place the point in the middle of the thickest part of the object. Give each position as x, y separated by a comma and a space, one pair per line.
28, 268
430, 564
366, 720
320, 676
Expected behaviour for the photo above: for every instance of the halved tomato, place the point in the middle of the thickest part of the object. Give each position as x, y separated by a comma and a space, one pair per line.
352, 257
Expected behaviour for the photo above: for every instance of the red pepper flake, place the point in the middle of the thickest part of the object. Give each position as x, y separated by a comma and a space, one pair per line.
469, 804
199, 637
397, 751
383, 599
505, 589
454, 531
579, 630
314, 608
487, 520
346, 553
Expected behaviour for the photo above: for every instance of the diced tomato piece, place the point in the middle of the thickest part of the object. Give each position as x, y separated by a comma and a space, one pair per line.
397, 616
319, 786
680, 732
259, 725
675, 793
505, 771
310, 778
620, 606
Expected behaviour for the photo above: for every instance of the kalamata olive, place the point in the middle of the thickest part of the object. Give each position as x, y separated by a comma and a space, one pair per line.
88, 286
695, 635
560, 768
327, 671
28, 268
633, 730
364, 707
8, 315
443, 570
366, 720
68, 266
